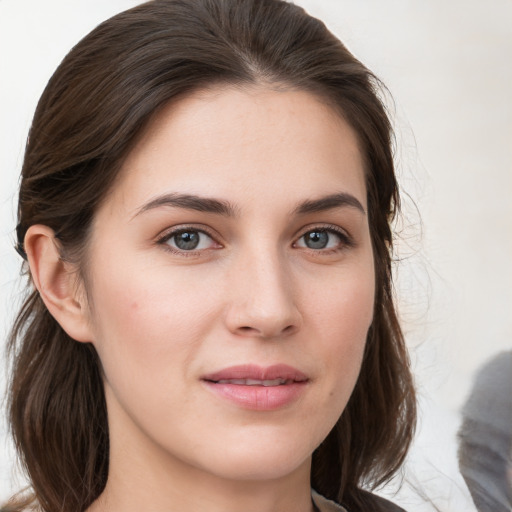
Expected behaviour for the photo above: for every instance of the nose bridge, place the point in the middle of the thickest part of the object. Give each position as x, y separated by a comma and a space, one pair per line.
263, 299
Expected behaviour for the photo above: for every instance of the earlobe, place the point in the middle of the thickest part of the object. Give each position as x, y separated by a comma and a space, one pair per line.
56, 281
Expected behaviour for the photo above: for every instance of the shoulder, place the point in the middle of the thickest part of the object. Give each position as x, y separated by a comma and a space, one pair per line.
377, 503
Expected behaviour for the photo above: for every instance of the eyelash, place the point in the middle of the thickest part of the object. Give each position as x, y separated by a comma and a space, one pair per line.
173, 232
346, 240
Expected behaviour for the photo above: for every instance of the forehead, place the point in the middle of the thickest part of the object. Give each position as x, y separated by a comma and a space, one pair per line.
236, 142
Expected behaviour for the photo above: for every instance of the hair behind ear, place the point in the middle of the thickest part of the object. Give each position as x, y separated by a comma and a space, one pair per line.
56, 377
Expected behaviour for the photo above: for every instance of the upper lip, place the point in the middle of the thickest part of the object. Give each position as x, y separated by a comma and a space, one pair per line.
255, 372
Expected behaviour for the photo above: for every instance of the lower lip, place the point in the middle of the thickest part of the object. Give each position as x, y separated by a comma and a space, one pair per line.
259, 398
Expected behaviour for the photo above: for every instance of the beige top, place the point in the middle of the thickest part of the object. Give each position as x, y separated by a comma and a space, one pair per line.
325, 505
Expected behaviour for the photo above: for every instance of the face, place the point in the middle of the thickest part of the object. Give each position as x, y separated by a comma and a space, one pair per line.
231, 284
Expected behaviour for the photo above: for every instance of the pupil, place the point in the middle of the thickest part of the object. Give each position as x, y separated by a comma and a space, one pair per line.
187, 240
317, 239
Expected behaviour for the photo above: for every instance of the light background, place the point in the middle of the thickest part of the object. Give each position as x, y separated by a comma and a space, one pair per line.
448, 67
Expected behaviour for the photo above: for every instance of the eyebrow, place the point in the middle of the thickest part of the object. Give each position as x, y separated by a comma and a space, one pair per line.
190, 202
329, 202
225, 208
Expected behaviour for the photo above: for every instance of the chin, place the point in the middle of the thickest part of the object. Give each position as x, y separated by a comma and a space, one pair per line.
261, 458
261, 468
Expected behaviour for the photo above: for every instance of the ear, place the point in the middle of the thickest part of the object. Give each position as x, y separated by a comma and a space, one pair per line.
57, 283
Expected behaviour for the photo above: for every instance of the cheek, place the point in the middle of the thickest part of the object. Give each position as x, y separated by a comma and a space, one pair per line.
148, 321
342, 316
339, 320
343, 307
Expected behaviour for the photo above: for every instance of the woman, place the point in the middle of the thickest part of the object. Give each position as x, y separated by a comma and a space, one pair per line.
205, 210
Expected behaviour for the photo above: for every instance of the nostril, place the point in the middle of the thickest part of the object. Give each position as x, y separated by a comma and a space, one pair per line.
246, 329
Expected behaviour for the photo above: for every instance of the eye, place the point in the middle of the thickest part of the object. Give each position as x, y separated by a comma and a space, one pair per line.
187, 239
322, 238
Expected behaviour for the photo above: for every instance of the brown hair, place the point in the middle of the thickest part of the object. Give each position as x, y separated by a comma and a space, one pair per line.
100, 98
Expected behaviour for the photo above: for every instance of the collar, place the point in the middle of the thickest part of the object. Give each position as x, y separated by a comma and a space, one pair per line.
324, 505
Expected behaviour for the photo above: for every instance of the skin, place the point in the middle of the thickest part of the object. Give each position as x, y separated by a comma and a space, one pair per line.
252, 292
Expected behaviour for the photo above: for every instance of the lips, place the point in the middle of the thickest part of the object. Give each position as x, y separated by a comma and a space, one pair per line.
257, 388
255, 382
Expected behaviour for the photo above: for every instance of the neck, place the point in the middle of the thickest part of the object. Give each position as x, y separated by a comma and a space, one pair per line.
187, 489
142, 476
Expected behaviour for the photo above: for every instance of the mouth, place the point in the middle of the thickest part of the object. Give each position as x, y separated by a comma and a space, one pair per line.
253, 375
255, 382
257, 388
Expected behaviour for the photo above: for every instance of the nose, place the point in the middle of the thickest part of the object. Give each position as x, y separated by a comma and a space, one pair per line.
263, 299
